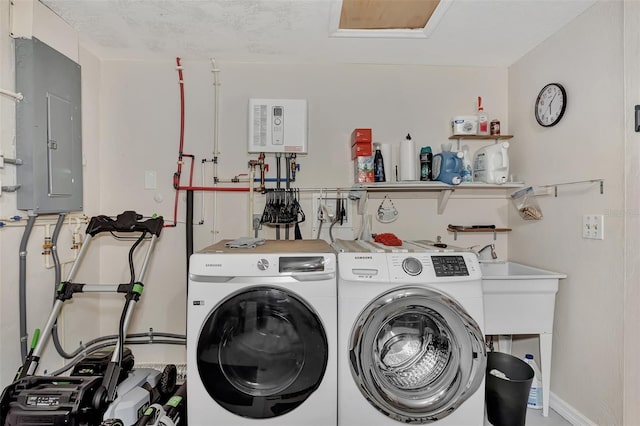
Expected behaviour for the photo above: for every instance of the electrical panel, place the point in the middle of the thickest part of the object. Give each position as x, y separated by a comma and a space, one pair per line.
48, 129
277, 125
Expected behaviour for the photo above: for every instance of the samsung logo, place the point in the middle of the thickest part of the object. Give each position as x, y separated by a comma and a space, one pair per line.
213, 265
363, 257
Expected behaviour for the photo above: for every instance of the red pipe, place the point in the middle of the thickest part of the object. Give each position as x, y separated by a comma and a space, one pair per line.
181, 155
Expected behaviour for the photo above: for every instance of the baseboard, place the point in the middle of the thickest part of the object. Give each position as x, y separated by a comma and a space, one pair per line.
568, 412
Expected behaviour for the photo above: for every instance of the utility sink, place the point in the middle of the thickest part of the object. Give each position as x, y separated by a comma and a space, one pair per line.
518, 298
505, 270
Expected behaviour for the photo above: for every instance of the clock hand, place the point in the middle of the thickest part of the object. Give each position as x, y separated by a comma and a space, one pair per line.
551, 101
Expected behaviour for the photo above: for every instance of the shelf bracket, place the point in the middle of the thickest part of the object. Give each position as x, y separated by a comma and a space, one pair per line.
443, 199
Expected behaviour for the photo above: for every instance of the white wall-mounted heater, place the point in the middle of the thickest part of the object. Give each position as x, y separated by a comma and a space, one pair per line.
277, 125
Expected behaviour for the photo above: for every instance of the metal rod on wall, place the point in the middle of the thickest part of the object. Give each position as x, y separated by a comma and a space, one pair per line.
556, 185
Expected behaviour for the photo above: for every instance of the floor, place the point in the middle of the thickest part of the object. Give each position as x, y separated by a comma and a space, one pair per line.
535, 418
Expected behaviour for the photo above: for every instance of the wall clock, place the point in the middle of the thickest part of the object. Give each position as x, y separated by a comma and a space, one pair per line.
550, 104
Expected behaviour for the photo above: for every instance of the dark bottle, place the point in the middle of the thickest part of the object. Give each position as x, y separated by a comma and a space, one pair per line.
378, 166
426, 158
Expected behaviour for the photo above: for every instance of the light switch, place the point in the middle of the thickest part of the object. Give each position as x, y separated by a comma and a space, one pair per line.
150, 181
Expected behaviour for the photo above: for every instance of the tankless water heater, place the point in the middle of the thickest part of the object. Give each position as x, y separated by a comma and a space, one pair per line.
277, 125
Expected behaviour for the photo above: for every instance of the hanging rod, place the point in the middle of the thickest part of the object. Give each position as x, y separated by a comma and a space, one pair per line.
325, 189
16, 96
556, 185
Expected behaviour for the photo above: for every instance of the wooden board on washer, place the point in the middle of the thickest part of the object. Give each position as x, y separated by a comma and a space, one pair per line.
274, 246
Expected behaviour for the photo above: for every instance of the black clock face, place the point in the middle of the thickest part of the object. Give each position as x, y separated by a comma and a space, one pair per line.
550, 105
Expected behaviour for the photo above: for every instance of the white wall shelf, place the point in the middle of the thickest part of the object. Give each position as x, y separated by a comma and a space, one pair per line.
494, 138
445, 190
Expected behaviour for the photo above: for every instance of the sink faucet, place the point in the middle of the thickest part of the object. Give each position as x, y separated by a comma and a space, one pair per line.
491, 247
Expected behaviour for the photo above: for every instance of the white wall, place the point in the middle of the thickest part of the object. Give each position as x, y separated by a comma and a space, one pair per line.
78, 321
140, 132
131, 121
632, 218
589, 143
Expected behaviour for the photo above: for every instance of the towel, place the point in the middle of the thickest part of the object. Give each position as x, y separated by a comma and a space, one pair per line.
245, 242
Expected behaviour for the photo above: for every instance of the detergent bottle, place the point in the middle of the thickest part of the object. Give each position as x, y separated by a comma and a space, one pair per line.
467, 171
426, 160
447, 166
491, 164
535, 393
378, 165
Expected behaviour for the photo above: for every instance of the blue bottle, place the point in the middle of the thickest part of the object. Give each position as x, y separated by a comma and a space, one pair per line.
378, 166
426, 159
447, 167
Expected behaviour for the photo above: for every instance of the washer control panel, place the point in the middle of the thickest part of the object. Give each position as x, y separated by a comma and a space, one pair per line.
449, 266
430, 267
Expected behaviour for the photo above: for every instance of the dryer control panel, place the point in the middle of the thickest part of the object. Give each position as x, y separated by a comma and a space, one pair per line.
227, 265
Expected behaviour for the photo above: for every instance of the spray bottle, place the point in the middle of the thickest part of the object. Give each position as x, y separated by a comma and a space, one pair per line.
483, 119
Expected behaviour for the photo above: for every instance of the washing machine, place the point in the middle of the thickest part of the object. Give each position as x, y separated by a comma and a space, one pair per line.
262, 335
410, 336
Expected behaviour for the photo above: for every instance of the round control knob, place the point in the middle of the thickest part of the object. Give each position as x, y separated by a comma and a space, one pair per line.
263, 264
412, 266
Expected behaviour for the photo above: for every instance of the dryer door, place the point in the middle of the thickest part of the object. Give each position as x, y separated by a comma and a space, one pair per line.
416, 354
261, 352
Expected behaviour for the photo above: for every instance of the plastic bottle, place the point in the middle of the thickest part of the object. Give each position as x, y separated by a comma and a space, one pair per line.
535, 393
483, 119
408, 163
378, 165
467, 171
426, 159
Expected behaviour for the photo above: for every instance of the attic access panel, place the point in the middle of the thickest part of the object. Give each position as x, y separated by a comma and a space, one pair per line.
48, 129
386, 14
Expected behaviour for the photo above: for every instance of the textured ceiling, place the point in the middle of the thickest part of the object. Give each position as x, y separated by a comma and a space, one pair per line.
467, 32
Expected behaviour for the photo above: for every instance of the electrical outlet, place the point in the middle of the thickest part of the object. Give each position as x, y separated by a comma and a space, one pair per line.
593, 226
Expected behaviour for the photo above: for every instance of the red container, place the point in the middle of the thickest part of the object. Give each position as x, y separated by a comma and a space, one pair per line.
361, 149
361, 135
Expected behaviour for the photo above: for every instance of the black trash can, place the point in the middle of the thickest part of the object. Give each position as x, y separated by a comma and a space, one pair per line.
507, 398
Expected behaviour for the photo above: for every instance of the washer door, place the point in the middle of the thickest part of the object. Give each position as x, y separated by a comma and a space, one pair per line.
416, 354
261, 352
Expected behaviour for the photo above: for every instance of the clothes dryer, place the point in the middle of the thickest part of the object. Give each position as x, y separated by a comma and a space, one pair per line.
410, 335
262, 335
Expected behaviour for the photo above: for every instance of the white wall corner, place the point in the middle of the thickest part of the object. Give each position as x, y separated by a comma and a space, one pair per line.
21, 18
30, 18
568, 412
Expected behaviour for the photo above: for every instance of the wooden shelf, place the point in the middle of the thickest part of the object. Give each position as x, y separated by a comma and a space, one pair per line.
477, 230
